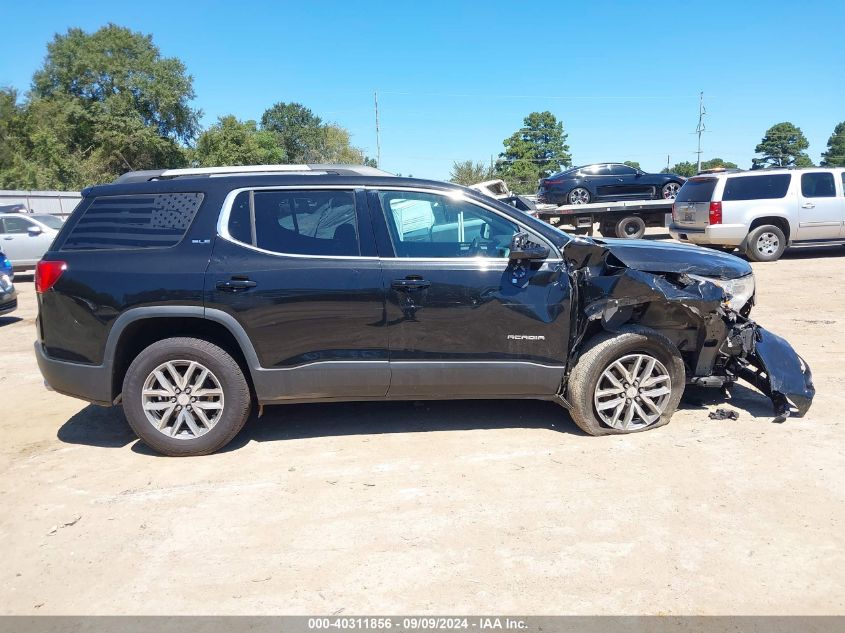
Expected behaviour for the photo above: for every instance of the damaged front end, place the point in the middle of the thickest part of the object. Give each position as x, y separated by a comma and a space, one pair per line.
679, 291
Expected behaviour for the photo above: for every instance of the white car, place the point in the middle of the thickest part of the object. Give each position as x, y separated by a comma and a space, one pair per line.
762, 212
25, 238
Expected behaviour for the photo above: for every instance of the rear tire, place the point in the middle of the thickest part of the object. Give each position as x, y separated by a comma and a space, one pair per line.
588, 384
631, 227
185, 396
579, 195
670, 190
765, 244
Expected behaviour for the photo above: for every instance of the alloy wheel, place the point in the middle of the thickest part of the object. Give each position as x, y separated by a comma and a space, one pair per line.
768, 243
182, 399
632, 392
670, 190
579, 195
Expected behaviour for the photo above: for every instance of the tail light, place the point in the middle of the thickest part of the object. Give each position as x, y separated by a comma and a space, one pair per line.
715, 213
47, 274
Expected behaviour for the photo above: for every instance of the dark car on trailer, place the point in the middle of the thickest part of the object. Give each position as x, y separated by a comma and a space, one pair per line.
190, 296
605, 182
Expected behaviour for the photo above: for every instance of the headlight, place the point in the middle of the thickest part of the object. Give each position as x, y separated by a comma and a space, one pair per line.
737, 291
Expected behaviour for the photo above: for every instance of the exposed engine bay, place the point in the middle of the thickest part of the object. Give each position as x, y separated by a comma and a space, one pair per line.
702, 305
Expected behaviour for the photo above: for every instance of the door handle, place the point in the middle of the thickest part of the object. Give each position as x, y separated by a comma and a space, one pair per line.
404, 285
808, 205
236, 285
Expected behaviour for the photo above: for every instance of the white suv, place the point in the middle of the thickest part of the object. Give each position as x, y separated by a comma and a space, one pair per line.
762, 212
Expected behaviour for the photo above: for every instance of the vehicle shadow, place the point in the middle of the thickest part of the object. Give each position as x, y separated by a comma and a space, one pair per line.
744, 399
97, 426
107, 428
8, 320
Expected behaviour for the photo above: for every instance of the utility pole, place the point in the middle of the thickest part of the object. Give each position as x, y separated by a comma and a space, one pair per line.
700, 127
378, 135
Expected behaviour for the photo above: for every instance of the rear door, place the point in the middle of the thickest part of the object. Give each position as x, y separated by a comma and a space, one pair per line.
820, 209
297, 268
599, 180
463, 320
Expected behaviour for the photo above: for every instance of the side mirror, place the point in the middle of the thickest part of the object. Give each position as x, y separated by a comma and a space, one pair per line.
523, 248
34, 230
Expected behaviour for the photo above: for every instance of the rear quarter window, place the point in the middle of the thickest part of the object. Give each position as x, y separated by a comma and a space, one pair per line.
697, 190
157, 220
756, 187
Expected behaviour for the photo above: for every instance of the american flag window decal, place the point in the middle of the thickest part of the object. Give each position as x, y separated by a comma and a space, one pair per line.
156, 220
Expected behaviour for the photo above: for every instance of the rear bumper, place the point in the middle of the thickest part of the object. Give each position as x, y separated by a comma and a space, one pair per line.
86, 382
727, 234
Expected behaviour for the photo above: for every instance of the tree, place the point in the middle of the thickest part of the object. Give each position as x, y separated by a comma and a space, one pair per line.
306, 139
234, 142
782, 146
103, 103
467, 172
535, 151
835, 154
632, 163
297, 128
116, 69
715, 163
684, 168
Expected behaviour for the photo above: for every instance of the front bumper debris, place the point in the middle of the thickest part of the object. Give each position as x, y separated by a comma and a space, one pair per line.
769, 363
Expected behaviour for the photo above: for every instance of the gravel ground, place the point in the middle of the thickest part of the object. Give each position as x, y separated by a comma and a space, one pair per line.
454, 507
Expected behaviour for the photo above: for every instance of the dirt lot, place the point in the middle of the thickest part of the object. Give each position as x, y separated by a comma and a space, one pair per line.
468, 507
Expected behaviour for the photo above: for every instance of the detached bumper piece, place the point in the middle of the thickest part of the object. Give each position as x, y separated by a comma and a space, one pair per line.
770, 364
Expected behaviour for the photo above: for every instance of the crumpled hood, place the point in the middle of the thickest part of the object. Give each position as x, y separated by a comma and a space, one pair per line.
667, 257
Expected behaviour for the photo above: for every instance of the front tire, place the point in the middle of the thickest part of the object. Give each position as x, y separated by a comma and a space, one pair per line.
626, 382
185, 396
765, 244
579, 195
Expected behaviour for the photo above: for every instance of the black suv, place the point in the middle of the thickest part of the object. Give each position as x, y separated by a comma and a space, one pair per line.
190, 295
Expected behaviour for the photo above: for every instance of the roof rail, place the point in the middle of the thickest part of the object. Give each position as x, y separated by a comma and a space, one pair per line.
235, 170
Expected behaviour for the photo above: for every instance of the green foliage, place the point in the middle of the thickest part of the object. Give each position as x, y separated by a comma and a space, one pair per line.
835, 154
103, 103
782, 146
233, 142
306, 139
123, 71
467, 172
684, 168
535, 151
714, 163
632, 163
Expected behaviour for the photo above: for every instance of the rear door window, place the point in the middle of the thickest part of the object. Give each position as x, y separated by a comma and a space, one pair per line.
697, 190
818, 185
763, 187
296, 222
157, 220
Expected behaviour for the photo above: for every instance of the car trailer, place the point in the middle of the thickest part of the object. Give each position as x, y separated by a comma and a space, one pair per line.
625, 218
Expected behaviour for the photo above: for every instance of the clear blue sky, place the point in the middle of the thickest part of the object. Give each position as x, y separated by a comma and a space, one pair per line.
456, 78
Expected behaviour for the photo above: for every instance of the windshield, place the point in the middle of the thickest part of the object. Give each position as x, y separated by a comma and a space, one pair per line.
49, 220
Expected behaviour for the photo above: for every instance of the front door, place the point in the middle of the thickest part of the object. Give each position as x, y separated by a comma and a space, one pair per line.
297, 269
820, 210
463, 320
